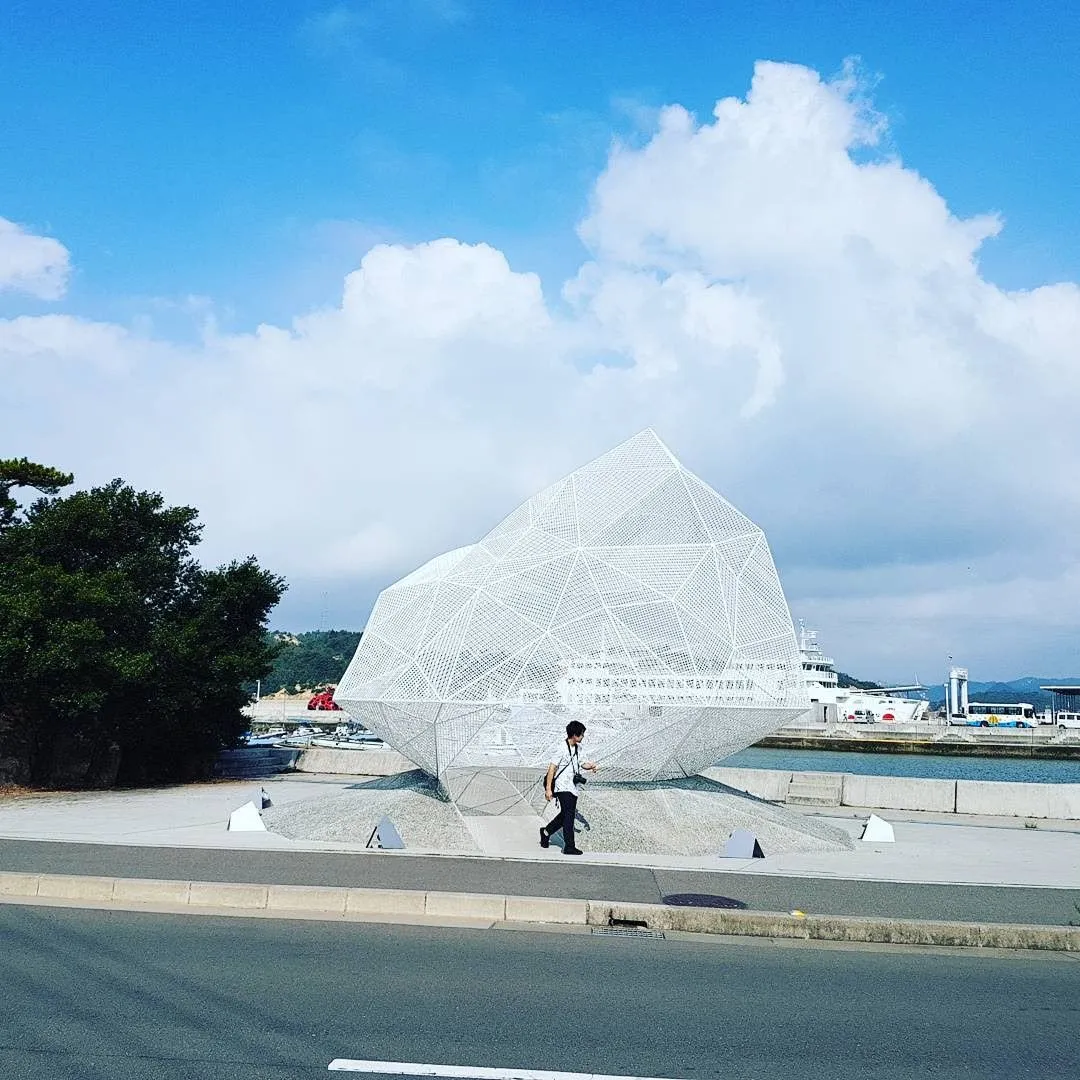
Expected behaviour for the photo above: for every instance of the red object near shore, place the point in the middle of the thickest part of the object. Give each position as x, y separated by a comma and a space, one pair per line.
324, 702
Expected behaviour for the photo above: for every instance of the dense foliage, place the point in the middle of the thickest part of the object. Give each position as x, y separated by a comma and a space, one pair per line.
850, 682
23, 473
313, 659
122, 660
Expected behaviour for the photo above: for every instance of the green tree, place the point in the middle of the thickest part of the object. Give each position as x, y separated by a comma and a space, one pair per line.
21, 472
121, 658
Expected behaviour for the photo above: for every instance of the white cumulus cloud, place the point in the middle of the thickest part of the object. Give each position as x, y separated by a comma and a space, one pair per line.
32, 264
799, 314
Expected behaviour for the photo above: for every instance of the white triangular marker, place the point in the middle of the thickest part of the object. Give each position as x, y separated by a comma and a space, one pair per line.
246, 819
878, 830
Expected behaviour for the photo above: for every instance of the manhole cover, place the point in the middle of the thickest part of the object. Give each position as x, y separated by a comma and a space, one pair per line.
693, 899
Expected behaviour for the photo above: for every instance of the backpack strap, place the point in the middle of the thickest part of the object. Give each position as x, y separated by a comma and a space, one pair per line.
569, 761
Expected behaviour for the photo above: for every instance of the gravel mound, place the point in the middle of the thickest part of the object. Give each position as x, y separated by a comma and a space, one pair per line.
425, 818
695, 816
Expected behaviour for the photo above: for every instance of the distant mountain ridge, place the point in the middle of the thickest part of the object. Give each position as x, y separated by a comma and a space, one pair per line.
316, 658
1007, 693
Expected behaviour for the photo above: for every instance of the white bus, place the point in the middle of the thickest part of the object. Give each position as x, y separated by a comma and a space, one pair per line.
983, 714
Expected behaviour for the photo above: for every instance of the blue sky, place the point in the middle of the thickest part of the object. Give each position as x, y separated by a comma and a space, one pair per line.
183, 148
211, 168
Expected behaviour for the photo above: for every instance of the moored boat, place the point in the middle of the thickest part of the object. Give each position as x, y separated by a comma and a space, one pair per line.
832, 702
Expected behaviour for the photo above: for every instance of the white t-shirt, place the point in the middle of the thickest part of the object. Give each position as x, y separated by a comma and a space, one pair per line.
565, 767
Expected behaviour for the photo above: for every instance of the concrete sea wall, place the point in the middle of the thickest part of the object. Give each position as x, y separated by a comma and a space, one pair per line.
994, 798
319, 759
255, 761
1048, 744
903, 792
984, 797
267, 760
1012, 800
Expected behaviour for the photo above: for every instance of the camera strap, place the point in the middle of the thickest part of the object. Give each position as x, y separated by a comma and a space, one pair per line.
571, 753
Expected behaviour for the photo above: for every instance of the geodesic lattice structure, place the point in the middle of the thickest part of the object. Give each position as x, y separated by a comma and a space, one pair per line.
628, 595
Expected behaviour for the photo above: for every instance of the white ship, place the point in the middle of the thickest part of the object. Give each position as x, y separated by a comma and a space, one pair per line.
607, 683
613, 693
830, 701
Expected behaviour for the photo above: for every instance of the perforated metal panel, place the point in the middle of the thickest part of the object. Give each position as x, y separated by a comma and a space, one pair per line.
628, 595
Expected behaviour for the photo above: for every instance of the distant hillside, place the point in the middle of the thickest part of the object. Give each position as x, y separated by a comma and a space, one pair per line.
318, 657
1010, 693
850, 682
309, 660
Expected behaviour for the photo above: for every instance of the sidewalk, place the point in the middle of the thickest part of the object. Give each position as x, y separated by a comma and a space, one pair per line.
962, 882
960, 850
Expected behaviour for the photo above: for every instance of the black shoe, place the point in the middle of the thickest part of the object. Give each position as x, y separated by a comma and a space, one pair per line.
572, 851
545, 840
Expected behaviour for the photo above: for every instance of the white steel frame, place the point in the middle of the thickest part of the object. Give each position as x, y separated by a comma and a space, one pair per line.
629, 595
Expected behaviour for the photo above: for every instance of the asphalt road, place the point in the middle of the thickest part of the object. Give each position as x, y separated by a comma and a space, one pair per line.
759, 892
126, 996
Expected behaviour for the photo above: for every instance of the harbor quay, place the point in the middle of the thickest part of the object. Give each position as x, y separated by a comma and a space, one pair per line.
1045, 741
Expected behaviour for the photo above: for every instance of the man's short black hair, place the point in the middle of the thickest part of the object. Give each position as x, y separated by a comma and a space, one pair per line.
575, 727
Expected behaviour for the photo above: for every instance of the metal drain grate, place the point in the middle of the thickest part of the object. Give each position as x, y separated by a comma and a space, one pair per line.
628, 931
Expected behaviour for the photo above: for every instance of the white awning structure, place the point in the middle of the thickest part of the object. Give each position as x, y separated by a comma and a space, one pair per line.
628, 595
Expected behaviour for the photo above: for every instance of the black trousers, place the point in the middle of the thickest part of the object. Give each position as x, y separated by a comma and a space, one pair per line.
565, 818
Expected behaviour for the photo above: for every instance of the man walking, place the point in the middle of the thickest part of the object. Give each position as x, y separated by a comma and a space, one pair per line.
563, 782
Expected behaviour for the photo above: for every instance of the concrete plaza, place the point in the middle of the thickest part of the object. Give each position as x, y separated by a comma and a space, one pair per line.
938, 849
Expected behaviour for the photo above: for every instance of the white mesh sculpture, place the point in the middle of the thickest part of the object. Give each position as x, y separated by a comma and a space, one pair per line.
628, 595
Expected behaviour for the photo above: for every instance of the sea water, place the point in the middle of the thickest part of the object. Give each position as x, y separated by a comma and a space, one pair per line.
927, 766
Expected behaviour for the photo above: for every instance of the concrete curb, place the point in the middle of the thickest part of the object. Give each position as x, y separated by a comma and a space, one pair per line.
290, 899
836, 927
299, 900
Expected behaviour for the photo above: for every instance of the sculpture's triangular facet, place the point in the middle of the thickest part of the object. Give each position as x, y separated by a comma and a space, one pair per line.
628, 595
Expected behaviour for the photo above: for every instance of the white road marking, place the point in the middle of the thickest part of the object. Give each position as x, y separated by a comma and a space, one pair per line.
467, 1072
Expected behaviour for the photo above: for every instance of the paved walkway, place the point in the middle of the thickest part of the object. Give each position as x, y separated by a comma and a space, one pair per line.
990, 871
961, 850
